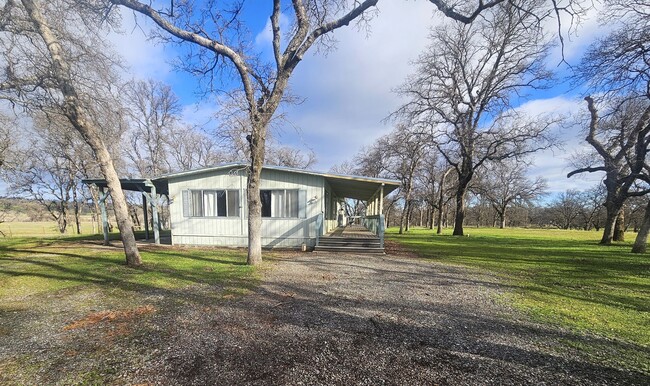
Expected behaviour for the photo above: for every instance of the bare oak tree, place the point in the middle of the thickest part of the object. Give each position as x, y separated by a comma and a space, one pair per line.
153, 111
565, 209
6, 125
463, 88
620, 141
617, 67
405, 150
54, 59
505, 183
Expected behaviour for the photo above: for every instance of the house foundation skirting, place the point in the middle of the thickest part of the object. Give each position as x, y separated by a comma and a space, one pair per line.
242, 241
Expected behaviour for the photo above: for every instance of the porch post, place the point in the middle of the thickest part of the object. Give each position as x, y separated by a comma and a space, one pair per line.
102, 206
154, 212
381, 199
376, 206
145, 210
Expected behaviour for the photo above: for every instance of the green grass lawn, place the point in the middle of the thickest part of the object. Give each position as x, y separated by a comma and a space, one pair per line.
558, 276
96, 305
31, 266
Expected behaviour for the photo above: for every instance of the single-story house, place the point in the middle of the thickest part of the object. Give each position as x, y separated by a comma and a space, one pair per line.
208, 206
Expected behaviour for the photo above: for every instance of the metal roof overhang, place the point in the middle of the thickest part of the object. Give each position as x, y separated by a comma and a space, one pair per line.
359, 188
133, 184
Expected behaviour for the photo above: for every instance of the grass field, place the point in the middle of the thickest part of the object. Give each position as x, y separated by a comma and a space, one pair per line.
77, 289
557, 276
36, 266
40, 229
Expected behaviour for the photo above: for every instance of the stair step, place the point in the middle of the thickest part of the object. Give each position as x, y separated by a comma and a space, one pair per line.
350, 244
321, 248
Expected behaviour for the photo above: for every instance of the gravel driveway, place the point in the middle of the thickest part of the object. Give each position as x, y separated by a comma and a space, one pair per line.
329, 319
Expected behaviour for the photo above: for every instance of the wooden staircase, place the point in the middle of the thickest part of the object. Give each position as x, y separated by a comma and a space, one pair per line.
351, 239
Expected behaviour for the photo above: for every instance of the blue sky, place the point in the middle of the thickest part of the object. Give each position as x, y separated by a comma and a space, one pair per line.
348, 91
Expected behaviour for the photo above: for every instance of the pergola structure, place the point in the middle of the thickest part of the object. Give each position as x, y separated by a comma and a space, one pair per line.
150, 189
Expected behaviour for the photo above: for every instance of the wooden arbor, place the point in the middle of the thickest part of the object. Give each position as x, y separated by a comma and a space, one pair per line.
150, 191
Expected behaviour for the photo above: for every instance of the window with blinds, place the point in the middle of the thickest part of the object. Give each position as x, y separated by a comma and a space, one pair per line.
283, 203
211, 203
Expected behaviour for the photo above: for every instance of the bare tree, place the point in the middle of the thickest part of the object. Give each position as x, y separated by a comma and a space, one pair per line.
216, 34
463, 88
620, 141
617, 67
565, 209
505, 183
593, 204
153, 115
190, 148
405, 150
55, 59
5, 137
290, 157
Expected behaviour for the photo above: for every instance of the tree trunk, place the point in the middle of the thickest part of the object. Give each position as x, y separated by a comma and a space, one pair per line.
460, 207
641, 241
79, 118
460, 213
77, 220
404, 218
612, 210
62, 221
401, 219
502, 219
619, 227
257, 146
409, 214
441, 197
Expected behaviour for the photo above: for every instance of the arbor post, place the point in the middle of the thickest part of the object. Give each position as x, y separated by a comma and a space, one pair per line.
154, 215
145, 209
102, 206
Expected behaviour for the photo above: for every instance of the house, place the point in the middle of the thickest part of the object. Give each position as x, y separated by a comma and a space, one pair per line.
208, 206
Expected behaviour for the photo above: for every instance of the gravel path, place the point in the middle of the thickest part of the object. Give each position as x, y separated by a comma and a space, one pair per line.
327, 319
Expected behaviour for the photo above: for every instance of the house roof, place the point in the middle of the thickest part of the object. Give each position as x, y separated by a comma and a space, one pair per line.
348, 186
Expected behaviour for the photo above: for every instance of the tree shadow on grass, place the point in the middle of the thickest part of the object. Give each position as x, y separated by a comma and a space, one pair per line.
372, 328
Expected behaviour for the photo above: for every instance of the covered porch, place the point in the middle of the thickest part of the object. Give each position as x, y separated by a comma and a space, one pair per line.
363, 231
150, 190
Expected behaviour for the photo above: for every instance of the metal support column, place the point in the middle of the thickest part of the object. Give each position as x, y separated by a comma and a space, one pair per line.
151, 199
154, 212
381, 199
102, 206
145, 211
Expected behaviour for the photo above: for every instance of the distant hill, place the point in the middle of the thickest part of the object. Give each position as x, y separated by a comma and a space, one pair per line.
21, 209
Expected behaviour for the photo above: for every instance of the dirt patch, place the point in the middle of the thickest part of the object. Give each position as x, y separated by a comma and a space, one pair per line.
118, 317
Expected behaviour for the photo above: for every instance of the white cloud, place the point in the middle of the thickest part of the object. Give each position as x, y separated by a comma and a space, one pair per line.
590, 26
144, 58
554, 164
349, 91
265, 37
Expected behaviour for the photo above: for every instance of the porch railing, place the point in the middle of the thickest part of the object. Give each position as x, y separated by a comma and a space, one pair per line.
375, 224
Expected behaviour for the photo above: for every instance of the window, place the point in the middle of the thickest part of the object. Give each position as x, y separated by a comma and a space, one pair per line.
281, 203
211, 203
